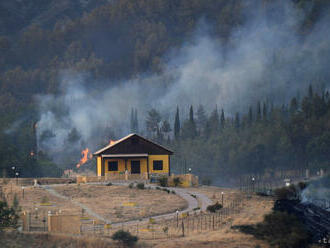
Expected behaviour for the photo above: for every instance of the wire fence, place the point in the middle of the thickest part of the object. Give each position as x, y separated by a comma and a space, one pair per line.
180, 225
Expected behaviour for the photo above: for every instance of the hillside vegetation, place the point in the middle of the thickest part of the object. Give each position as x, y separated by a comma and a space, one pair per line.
117, 40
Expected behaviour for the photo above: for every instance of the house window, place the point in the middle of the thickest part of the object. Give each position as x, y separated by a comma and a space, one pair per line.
113, 166
158, 165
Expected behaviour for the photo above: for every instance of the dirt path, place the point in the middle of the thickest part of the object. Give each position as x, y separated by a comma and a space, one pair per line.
186, 194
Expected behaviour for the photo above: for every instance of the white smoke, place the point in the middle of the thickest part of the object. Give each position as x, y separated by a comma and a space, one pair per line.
263, 60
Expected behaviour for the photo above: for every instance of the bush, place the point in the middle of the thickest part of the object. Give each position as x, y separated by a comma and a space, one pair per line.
166, 190
8, 216
192, 195
109, 184
163, 181
131, 185
286, 193
140, 186
125, 237
213, 208
173, 192
206, 181
177, 181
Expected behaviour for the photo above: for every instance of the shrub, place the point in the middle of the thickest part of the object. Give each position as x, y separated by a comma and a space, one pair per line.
125, 237
173, 192
213, 208
206, 181
286, 193
192, 195
109, 184
302, 185
158, 188
140, 185
131, 185
163, 181
177, 181
8, 216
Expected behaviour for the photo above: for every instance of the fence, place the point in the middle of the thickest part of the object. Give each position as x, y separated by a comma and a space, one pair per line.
272, 180
30, 181
183, 224
180, 225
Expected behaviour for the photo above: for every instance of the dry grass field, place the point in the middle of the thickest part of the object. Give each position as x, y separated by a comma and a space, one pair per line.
35, 197
214, 193
120, 203
115, 203
252, 212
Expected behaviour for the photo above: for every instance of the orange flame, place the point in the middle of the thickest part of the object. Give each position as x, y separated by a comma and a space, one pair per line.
112, 142
85, 157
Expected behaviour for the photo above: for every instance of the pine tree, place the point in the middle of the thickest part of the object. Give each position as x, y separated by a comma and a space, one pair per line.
152, 121
177, 124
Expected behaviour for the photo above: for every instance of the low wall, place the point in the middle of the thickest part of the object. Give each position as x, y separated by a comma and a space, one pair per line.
112, 177
186, 180
42, 181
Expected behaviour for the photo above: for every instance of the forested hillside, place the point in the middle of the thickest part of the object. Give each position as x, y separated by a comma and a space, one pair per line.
111, 43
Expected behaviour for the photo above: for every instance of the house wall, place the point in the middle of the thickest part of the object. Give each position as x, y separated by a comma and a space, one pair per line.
121, 165
98, 164
164, 158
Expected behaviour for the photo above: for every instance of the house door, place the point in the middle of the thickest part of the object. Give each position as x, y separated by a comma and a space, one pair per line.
135, 167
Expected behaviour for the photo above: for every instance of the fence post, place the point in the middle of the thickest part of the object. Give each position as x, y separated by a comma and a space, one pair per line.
213, 221
182, 228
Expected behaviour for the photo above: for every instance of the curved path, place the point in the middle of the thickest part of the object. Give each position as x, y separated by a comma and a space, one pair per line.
186, 194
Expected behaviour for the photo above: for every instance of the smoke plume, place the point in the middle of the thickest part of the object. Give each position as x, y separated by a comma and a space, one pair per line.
265, 59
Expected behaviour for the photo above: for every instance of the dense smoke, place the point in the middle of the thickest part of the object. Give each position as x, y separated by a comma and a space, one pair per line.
265, 59
318, 192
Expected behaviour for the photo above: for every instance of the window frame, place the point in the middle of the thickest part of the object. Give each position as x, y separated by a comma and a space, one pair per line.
109, 167
161, 164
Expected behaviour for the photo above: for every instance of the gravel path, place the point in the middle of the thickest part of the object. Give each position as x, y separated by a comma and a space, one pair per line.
186, 194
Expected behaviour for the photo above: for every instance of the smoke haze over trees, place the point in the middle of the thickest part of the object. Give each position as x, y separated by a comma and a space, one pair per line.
221, 82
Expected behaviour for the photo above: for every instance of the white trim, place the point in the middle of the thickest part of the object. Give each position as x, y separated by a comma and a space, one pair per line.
124, 155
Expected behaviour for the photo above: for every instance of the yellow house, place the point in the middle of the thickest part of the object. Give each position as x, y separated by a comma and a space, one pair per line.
134, 154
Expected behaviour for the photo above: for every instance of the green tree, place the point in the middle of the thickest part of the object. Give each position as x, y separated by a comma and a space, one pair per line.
8, 216
177, 125
152, 121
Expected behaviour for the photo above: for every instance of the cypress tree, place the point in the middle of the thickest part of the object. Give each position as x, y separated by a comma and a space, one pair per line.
264, 112
310, 91
258, 111
177, 124
132, 121
136, 122
250, 115
222, 119
237, 121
